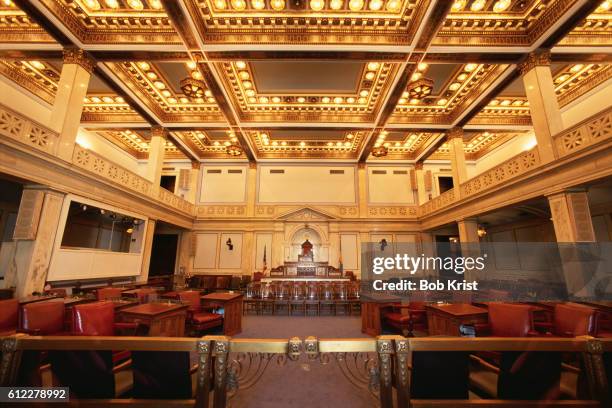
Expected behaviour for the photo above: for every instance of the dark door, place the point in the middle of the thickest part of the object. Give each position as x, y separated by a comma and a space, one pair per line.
163, 254
447, 247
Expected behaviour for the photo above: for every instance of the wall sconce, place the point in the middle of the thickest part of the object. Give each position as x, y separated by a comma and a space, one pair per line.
229, 244
481, 231
383, 244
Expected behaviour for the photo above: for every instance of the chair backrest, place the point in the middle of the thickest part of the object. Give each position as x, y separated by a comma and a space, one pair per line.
93, 319
312, 291
341, 290
327, 291
223, 282
108, 293
574, 320
257, 276
353, 290
510, 320
282, 291
298, 291
192, 298
253, 290
9, 314
43, 317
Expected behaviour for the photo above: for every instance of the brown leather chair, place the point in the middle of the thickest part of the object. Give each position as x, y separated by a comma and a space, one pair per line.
571, 320
108, 293
43, 318
198, 319
407, 318
9, 316
520, 375
98, 319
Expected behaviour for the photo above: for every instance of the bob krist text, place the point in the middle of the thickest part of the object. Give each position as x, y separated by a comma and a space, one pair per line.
405, 264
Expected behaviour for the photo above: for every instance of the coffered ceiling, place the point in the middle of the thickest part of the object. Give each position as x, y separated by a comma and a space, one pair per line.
306, 79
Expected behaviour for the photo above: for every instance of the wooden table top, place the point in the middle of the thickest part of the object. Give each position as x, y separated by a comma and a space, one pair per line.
222, 297
458, 309
153, 309
38, 298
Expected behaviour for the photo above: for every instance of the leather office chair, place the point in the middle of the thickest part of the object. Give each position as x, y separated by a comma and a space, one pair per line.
520, 375
407, 318
571, 320
108, 293
198, 319
43, 318
9, 316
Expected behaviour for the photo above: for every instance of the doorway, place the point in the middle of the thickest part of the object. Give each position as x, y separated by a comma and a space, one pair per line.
163, 254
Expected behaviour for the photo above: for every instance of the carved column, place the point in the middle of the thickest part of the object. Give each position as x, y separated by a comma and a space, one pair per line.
146, 251
37, 223
457, 157
251, 189
157, 151
544, 108
362, 179
194, 175
468, 230
420, 180
572, 221
68, 103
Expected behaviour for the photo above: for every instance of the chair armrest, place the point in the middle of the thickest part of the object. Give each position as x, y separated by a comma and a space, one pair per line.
122, 366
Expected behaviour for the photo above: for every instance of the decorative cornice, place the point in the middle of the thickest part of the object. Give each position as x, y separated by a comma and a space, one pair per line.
537, 58
79, 57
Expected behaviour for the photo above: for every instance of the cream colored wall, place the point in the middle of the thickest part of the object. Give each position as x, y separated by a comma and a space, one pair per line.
437, 168
394, 187
212, 254
587, 105
26, 104
224, 187
501, 154
306, 184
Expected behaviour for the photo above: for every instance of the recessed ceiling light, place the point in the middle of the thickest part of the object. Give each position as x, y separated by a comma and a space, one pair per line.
263, 99
373, 66
144, 65
355, 5
220, 4
159, 84
478, 5
250, 92
364, 93
375, 5
258, 4
325, 99
470, 67
458, 5
112, 3
135, 4
393, 5
244, 75
338, 99
247, 84
454, 86
156, 4
276, 99
92, 4
277, 5
501, 5
37, 64
301, 99
350, 100
239, 4
370, 75
576, 68
336, 4
462, 77
442, 101
317, 5
241, 65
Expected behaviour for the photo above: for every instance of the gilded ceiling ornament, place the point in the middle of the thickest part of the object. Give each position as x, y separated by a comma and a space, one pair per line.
80, 57
159, 131
537, 58
456, 132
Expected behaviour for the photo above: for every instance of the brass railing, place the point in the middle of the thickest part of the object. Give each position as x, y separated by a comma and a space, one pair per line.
381, 365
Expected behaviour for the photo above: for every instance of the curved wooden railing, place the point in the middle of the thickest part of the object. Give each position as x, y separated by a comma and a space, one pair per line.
385, 363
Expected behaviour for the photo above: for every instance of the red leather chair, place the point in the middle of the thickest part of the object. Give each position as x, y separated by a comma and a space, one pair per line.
413, 318
197, 319
508, 320
43, 318
97, 319
571, 320
108, 293
9, 316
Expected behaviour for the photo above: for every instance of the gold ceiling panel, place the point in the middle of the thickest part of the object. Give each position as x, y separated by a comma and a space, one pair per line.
157, 89
404, 145
307, 144
115, 21
456, 93
359, 104
476, 145
595, 30
136, 142
16, 26
571, 81
209, 144
308, 22
499, 22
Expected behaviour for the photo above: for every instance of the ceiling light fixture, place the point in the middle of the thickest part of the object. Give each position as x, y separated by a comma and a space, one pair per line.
233, 150
193, 88
258, 4
420, 89
501, 5
135, 4
375, 5
380, 151
277, 5
393, 5
336, 4
92, 4
478, 5
114, 4
355, 5
239, 4
220, 4
317, 5
458, 5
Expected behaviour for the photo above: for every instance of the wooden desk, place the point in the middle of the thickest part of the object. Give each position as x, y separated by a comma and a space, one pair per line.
123, 303
163, 319
446, 319
232, 306
36, 298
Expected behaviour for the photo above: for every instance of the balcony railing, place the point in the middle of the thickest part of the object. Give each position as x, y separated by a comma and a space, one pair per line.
378, 367
26, 131
591, 131
436, 203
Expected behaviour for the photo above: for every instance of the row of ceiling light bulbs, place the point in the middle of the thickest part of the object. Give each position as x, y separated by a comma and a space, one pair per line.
114, 4
315, 5
477, 5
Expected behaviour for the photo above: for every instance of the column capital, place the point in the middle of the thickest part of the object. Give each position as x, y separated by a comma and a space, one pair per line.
537, 58
361, 165
455, 132
159, 131
253, 165
73, 55
418, 165
195, 165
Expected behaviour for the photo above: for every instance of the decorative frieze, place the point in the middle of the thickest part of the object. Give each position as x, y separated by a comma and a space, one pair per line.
587, 133
80, 57
535, 59
16, 127
392, 212
436, 203
207, 211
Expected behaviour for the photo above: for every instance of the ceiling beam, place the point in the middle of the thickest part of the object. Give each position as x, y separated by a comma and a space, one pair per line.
25, 54
37, 16
472, 57
151, 56
355, 56
577, 57
568, 25
178, 142
437, 15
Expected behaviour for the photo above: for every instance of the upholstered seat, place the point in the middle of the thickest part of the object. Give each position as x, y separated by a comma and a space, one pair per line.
9, 316
572, 319
43, 318
407, 318
197, 319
